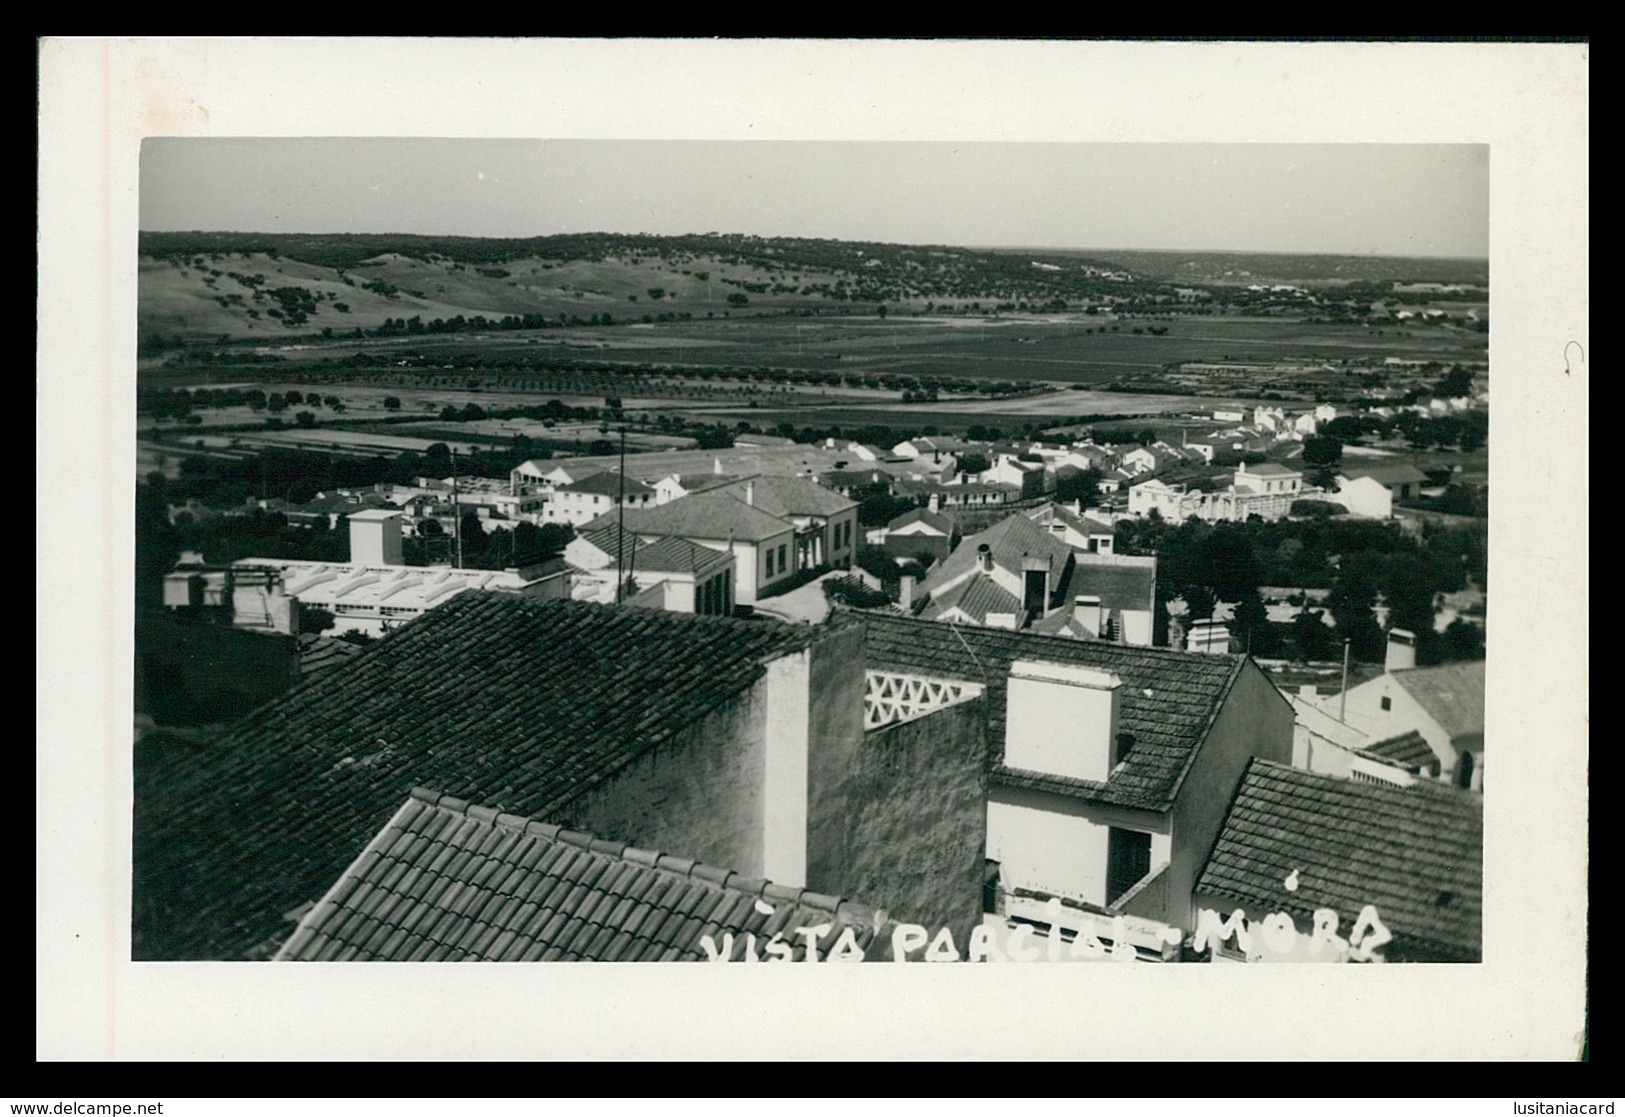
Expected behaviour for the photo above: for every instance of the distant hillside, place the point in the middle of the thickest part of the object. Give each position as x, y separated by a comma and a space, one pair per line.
202, 285
1224, 268
249, 286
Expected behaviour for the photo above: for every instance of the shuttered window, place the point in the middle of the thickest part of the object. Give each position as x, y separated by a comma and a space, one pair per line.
1128, 858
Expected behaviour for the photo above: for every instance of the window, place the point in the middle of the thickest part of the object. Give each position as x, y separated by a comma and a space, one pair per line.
770, 565
1128, 858
782, 551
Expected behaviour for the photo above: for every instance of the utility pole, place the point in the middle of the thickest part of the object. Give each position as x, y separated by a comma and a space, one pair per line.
456, 511
1343, 698
620, 520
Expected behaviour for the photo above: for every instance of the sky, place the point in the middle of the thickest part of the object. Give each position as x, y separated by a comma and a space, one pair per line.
1360, 199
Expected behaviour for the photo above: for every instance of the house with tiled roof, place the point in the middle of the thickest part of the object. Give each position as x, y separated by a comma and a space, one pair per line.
1402, 865
683, 576
747, 744
1029, 477
1371, 490
1399, 760
825, 521
1110, 766
673, 485
1009, 575
1107, 597
849, 482
1079, 530
1116, 480
936, 445
950, 498
762, 544
447, 880
1444, 704
917, 532
544, 475
596, 495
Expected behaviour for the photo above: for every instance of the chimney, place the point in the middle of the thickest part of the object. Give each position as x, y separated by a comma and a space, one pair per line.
936, 502
984, 558
1062, 719
375, 538
1086, 612
750, 493
905, 591
1401, 650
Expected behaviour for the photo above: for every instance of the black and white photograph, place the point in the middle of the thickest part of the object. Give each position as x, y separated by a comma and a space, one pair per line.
1058, 536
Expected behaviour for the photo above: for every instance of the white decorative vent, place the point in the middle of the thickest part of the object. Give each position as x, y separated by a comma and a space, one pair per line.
891, 697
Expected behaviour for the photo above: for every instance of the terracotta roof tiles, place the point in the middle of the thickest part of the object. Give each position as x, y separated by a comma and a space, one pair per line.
1168, 699
1414, 853
623, 904
564, 693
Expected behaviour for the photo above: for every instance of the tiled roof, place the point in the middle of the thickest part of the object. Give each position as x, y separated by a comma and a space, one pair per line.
943, 525
976, 597
447, 881
706, 516
692, 483
607, 537
1119, 585
1011, 540
789, 496
677, 556
844, 480
1399, 473
1059, 513
1452, 694
517, 702
1408, 750
608, 484
1415, 853
1168, 699
319, 653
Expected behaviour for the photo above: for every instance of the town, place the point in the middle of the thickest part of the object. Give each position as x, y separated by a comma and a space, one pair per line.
1158, 691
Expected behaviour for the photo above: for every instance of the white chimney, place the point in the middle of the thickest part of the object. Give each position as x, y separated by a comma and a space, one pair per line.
905, 591
1061, 719
375, 538
1401, 650
750, 493
1086, 612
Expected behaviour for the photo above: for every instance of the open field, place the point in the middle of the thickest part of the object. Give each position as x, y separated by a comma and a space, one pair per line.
1080, 349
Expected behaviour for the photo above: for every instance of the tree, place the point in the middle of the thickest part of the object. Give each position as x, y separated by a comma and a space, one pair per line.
1084, 487
1251, 625
1313, 639
305, 418
1199, 601
313, 620
392, 403
1463, 640
1322, 450
974, 464
738, 299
